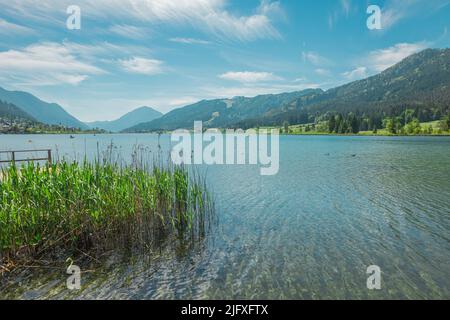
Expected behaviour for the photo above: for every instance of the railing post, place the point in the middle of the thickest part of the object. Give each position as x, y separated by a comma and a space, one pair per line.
13, 156
49, 156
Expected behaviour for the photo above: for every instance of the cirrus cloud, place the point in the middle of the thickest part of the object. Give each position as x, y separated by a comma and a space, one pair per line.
396, 10
209, 16
10, 29
129, 31
249, 77
189, 41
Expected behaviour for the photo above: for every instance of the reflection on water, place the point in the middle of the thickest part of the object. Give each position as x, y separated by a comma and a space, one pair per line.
338, 205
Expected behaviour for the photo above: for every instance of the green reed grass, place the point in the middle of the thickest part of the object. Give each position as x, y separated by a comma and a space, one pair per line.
93, 206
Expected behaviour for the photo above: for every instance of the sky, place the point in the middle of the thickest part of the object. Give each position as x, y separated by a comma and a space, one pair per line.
167, 54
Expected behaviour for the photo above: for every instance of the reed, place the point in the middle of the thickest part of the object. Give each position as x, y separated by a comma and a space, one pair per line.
98, 206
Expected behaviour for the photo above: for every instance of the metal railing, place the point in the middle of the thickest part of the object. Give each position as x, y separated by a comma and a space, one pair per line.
15, 152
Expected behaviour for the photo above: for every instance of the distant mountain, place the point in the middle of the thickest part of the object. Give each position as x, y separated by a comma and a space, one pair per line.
135, 117
11, 112
48, 113
420, 82
222, 112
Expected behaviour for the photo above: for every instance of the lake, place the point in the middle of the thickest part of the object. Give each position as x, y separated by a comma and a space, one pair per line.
337, 206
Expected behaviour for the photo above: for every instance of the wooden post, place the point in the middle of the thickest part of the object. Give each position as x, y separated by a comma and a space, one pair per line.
49, 156
13, 156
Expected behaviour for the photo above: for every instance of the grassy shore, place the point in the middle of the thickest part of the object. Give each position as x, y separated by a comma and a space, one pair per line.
72, 207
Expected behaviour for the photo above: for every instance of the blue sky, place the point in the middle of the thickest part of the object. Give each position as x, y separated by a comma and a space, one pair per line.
169, 53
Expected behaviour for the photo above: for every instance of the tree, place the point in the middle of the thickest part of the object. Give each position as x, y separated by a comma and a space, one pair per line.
388, 124
332, 124
443, 125
342, 127
398, 125
413, 127
353, 123
365, 124
408, 115
338, 128
286, 127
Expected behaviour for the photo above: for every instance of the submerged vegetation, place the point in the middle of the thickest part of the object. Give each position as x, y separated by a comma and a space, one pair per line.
95, 207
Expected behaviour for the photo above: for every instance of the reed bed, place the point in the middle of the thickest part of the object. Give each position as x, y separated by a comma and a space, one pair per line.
93, 207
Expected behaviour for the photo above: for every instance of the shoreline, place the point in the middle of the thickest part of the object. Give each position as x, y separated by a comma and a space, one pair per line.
281, 134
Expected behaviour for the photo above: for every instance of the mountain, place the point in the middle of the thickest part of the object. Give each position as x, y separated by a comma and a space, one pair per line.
423, 78
48, 113
135, 117
221, 112
10, 111
420, 82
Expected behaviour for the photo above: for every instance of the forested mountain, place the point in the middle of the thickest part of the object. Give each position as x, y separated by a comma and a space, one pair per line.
422, 80
48, 113
11, 112
135, 117
417, 87
419, 84
14, 120
222, 112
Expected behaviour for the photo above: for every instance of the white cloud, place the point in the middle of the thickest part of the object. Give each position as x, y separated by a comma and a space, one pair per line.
211, 16
358, 73
142, 66
189, 41
249, 77
302, 79
270, 8
45, 64
10, 29
380, 60
314, 58
323, 72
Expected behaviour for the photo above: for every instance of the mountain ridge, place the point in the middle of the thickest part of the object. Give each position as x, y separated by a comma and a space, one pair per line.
132, 118
220, 112
420, 82
10, 111
48, 113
